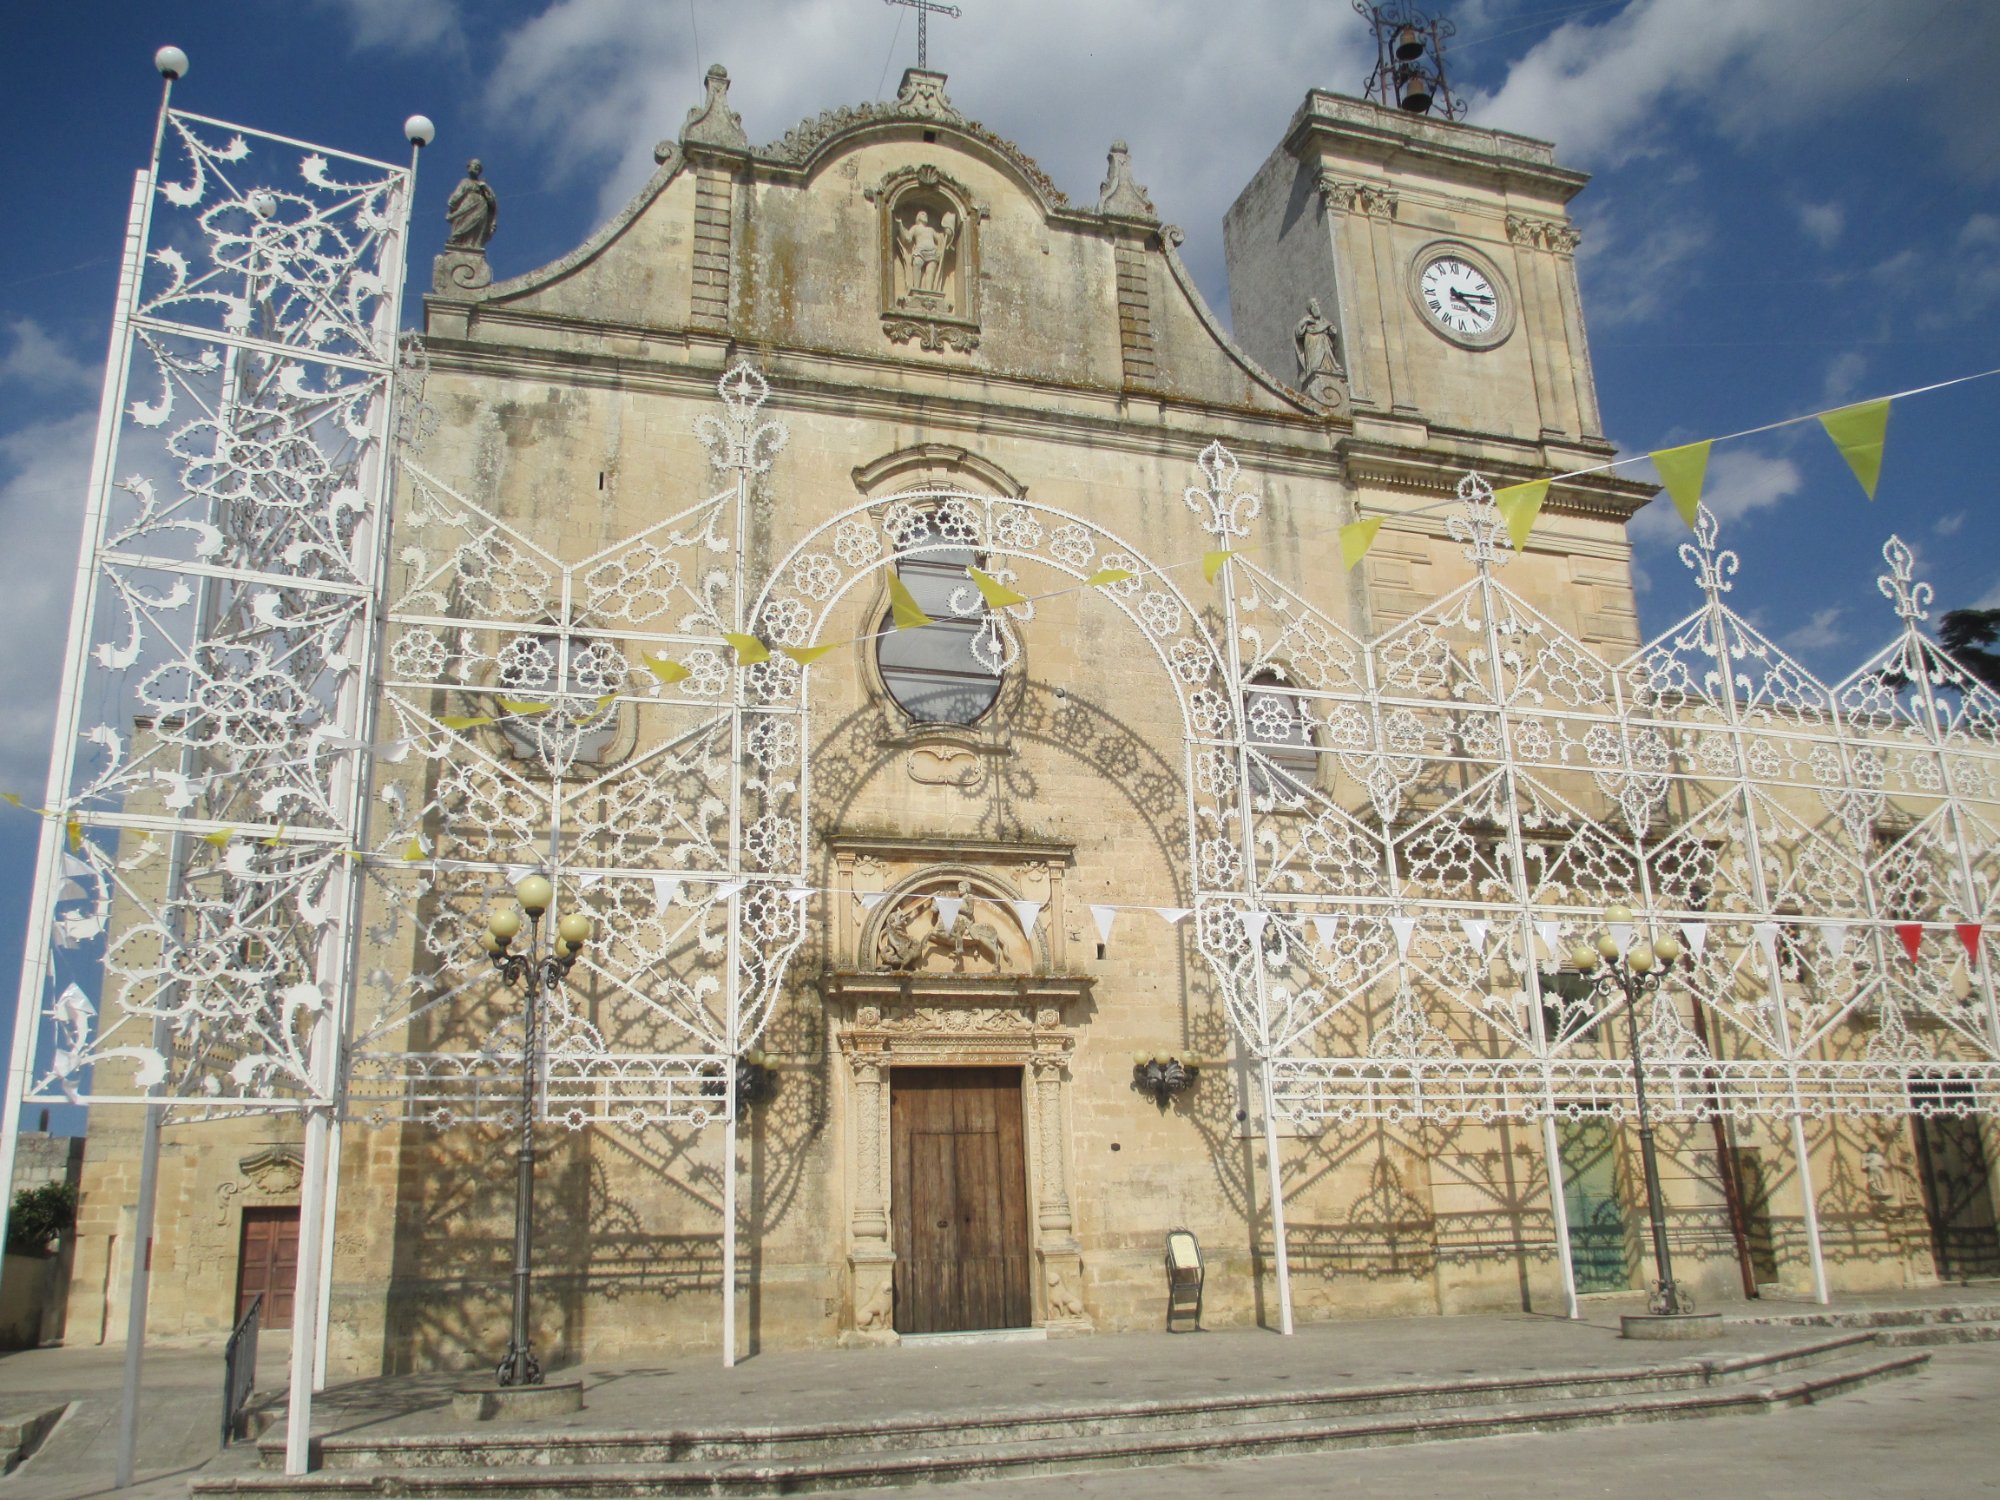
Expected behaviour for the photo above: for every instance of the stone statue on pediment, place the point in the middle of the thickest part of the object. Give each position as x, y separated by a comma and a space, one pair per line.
1317, 344
923, 248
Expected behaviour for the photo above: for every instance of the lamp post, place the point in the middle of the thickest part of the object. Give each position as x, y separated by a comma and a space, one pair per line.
534, 973
1635, 968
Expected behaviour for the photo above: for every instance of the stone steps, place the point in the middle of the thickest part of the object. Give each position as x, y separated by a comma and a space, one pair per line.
22, 1432
767, 1461
1894, 1327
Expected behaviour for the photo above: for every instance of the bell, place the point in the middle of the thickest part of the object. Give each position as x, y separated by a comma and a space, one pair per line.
1409, 44
1413, 91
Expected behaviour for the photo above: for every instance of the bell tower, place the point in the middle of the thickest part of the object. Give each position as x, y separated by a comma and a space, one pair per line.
1442, 253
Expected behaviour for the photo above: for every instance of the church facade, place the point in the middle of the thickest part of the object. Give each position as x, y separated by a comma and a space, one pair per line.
994, 1051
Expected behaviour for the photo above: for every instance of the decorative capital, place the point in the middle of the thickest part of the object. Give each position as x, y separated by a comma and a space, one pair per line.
1544, 234
1343, 196
713, 122
1119, 194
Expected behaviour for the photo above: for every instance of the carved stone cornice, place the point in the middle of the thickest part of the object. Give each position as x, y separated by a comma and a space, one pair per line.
1544, 234
1342, 195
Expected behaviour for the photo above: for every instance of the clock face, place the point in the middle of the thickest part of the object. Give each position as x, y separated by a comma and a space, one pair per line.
1457, 297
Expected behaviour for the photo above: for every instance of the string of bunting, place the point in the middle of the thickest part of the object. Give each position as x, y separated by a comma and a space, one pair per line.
667, 890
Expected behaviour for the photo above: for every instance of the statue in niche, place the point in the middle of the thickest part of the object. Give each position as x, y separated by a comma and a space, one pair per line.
472, 211
922, 247
1318, 348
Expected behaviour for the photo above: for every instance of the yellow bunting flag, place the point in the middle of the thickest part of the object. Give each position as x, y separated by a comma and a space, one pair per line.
1105, 576
1858, 432
1356, 537
805, 656
903, 606
12, 799
1682, 471
466, 721
219, 838
1211, 563
605, 701
749, 650
277, 839
414, 850
996, 594
354, 854
1518, 505
519, 707
667, 671
75, 826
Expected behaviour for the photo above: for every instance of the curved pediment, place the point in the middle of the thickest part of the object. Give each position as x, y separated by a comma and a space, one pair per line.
920, 101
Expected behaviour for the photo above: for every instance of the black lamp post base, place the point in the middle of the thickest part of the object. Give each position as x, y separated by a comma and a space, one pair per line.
518, 1367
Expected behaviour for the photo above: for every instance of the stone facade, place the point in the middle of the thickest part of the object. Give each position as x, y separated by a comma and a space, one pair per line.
929, 309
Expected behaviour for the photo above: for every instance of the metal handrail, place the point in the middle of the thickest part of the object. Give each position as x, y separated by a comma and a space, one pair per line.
239, 1366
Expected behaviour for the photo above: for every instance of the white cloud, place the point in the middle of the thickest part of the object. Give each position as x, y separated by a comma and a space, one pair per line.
1633, 267
1740, 482
1949, 525
47, 466
1822, 222
1604, 87
1821, 632
401, 25
35, 360
1843, 375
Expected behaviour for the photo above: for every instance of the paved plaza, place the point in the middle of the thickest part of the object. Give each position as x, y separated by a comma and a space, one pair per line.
1919, 1435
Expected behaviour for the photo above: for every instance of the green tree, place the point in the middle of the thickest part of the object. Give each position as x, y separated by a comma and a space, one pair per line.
40, 1215
1969, 635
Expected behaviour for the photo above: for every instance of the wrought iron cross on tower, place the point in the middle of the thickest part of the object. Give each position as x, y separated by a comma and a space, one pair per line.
923, 8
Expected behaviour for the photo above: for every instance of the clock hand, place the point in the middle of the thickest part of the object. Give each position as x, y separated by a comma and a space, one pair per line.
1468, 298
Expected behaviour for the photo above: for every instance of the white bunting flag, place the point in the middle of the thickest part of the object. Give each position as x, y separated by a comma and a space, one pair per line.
1405, 928
1764, 932
1475, 930
69, 890
393, 751
947, 910
871, 899
1323, 930
64, 1065
729, 888
798, 895
588, 879
1695, 934
1027, 913
666, 891
76, 869
1105, 916
1621, 934
1551, 935
1173, 916
73, 1008
1835, 936
518, 873
1255, 921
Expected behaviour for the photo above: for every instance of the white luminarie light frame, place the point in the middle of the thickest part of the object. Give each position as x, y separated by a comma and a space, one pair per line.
1486, 784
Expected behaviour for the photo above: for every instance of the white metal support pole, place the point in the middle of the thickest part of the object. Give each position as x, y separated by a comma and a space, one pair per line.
1799, 1148
1277, 1176
136, 1298
323, 1304
312, 1255
733, 992
1559, 1208
729, 1222
83, 603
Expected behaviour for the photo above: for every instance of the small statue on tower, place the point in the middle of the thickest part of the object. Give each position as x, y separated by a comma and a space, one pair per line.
471, 212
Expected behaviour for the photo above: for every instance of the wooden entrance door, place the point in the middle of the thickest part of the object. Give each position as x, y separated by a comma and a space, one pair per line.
268, 1262
958, 1187
1958, 1195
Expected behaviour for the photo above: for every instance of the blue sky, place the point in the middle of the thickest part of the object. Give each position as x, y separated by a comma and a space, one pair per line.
1797, 203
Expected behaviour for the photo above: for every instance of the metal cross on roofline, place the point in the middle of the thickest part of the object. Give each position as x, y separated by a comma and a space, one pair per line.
923, 8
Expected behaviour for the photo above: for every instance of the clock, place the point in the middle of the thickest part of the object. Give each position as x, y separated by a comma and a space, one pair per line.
1461, 296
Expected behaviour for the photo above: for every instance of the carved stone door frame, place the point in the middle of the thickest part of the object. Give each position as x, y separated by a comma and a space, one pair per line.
884, 1020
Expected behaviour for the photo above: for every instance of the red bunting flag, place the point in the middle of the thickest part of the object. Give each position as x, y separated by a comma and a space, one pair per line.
1968, 934
1912, 933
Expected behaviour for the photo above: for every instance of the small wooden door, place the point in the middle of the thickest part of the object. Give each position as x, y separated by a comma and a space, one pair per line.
1958, 1196
959, 1194
268, 1263
1590, 1196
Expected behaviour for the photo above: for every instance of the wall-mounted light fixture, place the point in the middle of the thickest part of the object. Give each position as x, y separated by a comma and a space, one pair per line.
1163, 1075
